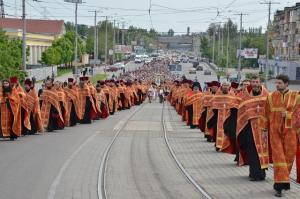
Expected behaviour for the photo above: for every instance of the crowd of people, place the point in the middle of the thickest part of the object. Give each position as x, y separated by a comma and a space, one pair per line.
24, 111
259, 127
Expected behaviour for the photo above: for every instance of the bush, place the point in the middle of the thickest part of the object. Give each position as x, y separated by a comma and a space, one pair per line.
221, 73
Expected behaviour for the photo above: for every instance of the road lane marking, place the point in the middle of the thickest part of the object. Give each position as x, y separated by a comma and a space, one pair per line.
56, 182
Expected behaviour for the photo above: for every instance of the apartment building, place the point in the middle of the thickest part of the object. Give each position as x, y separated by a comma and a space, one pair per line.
285, 36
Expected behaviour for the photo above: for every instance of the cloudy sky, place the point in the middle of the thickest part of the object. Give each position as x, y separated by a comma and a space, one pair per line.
164, 14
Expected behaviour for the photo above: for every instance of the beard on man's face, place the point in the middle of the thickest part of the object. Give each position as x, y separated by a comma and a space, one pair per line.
49, 86
7, 89
27, 89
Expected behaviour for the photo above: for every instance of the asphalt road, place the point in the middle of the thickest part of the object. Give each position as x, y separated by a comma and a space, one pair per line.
140, 165
65, 164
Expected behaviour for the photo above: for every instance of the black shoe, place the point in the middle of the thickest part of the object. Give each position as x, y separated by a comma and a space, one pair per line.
278, 194
257, 179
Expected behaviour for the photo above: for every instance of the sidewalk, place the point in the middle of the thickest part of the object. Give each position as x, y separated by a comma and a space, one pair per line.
216, 172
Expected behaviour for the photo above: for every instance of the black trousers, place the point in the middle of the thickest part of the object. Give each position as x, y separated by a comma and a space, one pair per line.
248, 145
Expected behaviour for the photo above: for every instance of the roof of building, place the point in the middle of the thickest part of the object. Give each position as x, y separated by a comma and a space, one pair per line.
279, 12
38, 26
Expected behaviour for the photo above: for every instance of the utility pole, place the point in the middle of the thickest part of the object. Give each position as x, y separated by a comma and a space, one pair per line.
240, 46
213, 55
114, 41
118, 39
222, 36
97, 42
227, 56
2, 14
24, 36
123, 33
75, 53
219, 41
95, 37
106, 40
76, 35
269, 3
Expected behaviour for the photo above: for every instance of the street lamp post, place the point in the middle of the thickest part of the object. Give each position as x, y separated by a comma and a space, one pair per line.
114, 41
227, 56
24, 36
75, 52
106, 40
213, 55
76, 34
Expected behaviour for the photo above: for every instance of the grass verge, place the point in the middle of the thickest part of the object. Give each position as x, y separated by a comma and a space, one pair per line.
98, 77
63, 71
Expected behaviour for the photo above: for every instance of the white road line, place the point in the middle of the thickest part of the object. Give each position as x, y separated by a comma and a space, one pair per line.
56, 182
101, 188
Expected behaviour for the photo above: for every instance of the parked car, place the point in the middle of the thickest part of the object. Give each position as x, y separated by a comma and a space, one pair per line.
111, 68
195, 64
199, 68
148, 60
233, 77
177, 61
192, 59
207, 72
192, 71
137, 60
185, 59
119, 65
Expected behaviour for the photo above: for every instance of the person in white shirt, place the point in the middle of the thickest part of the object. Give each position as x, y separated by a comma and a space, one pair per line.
151, 93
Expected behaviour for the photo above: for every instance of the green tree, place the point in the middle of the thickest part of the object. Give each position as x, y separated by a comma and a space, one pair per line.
69, 26
90, 41
143, 37
10, 57
205, 48
171, 32
52, 56
254, 38
101, 37
63, 50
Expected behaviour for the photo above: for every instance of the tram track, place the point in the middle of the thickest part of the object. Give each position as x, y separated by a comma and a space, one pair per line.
198, 187
101, 187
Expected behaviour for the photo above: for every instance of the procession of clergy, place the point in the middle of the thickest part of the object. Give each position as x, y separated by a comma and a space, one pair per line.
25, 111
259, 127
